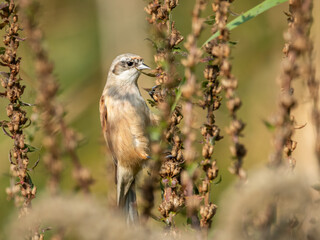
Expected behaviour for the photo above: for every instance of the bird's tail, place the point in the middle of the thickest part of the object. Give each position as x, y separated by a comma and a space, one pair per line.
126, 196
130, 206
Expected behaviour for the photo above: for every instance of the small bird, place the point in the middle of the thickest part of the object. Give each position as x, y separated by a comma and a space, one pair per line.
125, 118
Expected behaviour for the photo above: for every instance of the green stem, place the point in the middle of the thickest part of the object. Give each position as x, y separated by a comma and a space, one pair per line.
253, 12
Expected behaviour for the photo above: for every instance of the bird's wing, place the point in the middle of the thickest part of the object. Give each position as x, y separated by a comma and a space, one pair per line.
103, 116
104, 125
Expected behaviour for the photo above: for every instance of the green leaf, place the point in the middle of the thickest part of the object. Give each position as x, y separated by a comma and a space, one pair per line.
31, 148
218, 181
211, 20
253, 12
2, 50
178, 95
177, 49
204, 84
151, 102
29, 180
212, 141
269, 125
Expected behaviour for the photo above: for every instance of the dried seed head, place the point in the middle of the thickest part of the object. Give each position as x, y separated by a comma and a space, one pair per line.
213, 171
207, 212
171, 4
175, 37
234, 104
169, 169
9, 109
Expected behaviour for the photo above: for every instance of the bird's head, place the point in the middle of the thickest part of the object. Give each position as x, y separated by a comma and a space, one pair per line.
125, 68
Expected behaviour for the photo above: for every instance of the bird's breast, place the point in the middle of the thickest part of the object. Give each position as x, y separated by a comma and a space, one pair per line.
128, 121
132, 108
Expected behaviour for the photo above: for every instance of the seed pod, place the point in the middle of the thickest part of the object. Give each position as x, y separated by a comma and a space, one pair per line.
177, 139
25, 161
34, 191
9, 109
21, 144
203, 131
205, 151
210, 151
179, 156
16, 127
15, 18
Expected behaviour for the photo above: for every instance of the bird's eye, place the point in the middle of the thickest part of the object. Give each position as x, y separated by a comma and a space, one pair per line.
130, 63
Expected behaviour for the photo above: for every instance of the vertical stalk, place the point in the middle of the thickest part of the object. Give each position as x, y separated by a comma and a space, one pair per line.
297, 44
168, 140
51, 111
221, 50
21, 188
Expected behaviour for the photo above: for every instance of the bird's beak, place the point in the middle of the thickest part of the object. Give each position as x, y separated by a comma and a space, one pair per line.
143, 66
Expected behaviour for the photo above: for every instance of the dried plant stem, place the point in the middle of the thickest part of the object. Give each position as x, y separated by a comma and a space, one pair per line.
221, 50
296, 46
51, 111
211, 133
22, 191
191, 88
309, 70
168, 141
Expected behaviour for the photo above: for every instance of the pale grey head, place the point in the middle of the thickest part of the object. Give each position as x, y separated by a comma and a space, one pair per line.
126, 68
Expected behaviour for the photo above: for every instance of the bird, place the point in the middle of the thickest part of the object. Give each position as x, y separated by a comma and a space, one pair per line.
125, 118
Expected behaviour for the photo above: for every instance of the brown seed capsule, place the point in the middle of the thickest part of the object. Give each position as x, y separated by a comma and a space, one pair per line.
204, 187
10, 127
174, 152
16, 127
10, 82
11, 6
203, 131
25, 162
213, 171
34, 191
6, 40
177, 139
3, 84
179, 118
9, 110
205, 151
21, 144
15, 28
15, 18
175, 171
210, 150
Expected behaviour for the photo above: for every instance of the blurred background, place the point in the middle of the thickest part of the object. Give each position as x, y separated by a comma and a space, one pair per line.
83, 37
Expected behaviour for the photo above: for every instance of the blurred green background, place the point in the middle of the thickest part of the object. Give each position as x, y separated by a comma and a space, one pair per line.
83, 37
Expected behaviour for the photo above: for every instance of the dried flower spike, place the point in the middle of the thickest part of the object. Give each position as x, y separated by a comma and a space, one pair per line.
167, 37
21, 188
50, 110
